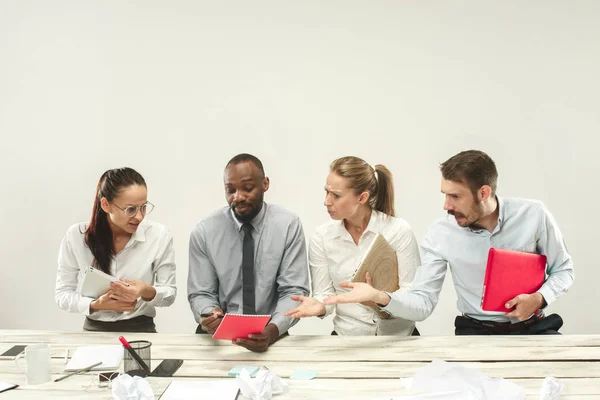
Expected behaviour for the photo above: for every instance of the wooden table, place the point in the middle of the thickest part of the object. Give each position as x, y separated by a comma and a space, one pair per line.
349, 367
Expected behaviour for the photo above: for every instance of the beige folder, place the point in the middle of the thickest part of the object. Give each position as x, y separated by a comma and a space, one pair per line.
381, 263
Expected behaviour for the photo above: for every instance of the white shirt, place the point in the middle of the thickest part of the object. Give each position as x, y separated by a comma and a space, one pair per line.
334, 257
523, 225
147, 257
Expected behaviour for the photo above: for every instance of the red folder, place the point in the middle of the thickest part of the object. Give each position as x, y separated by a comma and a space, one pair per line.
509, 274
235, 326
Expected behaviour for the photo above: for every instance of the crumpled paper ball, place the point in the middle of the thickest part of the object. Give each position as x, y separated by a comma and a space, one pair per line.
263, 387
551, 389
125, 387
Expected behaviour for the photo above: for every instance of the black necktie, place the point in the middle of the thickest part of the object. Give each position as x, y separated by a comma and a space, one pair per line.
248, 270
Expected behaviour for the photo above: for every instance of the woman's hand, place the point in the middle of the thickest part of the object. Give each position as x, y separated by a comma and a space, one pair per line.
310, 307
108, 303
362, 293
129, 290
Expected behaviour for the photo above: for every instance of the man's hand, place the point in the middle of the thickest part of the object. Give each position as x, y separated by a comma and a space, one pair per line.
127, 290
362, 293
310, 307
525, 305
210, 323
259, 342
107, 302
369, 281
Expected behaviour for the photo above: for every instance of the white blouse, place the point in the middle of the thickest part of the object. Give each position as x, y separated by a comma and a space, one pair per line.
334, 257
147, 257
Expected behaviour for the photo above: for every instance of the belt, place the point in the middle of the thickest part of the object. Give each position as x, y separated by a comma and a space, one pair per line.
507, 326
140, 323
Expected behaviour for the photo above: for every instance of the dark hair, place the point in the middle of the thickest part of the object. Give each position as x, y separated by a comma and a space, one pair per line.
245, 157
378, 181
472, 167
98, 235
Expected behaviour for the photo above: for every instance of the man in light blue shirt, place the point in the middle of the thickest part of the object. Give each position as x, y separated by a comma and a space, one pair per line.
247, 258
478, 220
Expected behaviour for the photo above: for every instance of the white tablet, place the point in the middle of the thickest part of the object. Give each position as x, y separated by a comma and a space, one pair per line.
95, 282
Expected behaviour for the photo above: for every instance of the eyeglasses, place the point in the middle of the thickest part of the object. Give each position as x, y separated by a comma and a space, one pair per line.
101, 380
132, 211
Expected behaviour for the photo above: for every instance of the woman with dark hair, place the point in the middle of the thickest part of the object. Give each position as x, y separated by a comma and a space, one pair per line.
119, 241
360, 201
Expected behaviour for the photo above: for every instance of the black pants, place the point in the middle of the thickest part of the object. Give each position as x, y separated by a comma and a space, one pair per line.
137, 324
545, 326
199, 330
415, 333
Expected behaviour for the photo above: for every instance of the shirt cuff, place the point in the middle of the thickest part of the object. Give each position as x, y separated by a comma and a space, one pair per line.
83, 305
328, 308
548, 294
207, 310
158, 297
392, 305
282, 322
202, 306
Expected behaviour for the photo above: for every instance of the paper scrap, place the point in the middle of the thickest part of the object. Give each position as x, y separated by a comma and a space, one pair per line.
235, 371
304, 374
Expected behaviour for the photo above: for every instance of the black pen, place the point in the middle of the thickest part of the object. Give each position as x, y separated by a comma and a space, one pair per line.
210, 314
135, 355
86, 369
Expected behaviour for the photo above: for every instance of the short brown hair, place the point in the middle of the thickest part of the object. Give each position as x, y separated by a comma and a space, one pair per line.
472, 167
376, 180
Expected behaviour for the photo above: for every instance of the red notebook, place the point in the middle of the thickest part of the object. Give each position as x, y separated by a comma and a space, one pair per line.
509, 274
235, 326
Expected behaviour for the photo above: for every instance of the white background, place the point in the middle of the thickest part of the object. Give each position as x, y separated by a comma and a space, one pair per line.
175, 89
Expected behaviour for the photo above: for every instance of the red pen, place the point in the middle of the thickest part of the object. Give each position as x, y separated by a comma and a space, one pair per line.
135, 355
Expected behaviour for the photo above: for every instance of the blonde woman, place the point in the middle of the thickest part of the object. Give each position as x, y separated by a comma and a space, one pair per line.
360, 201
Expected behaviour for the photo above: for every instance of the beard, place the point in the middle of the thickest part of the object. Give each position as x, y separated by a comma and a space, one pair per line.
253, 209
471, 218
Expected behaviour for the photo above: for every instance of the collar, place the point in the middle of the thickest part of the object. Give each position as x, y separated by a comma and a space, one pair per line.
501, 217
139, 235
257, 222
374, 226
501, 211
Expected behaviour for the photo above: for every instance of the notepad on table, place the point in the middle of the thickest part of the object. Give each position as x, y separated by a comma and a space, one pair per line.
235, 326
226, 389
84, 356
4, 386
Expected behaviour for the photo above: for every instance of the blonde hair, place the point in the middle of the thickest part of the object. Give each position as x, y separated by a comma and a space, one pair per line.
377, 181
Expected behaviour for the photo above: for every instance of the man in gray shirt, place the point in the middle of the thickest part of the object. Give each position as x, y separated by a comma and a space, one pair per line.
478, 219
247, 258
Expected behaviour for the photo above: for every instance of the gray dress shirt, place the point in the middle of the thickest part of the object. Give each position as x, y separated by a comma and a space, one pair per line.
523, 225
280, 264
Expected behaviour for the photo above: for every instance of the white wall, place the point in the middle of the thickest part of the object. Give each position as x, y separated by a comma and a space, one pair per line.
174, 89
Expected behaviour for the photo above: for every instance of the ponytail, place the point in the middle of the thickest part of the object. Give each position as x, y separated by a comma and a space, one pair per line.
383, 198
99, 235
378, 181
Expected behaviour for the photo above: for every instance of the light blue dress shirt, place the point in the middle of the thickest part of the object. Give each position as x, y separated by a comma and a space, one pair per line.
523, 225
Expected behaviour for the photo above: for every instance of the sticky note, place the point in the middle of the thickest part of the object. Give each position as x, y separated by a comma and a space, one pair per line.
235, 371
304, 374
